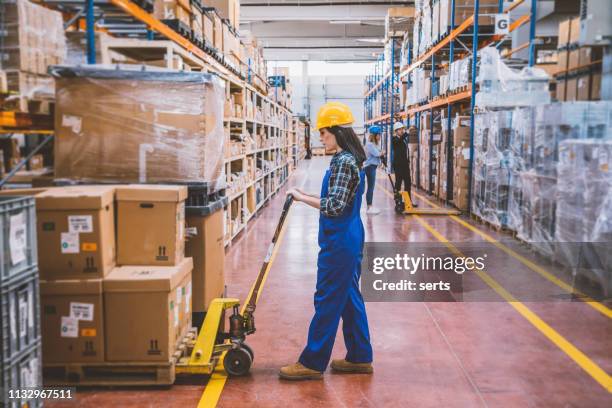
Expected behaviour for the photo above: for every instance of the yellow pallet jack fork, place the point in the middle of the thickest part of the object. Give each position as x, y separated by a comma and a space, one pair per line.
201, 356
409, 209
403, 204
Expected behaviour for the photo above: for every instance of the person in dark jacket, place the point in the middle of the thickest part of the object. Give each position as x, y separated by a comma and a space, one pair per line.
401, 160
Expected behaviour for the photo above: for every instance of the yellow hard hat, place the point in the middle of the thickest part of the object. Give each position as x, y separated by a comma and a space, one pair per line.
334, 114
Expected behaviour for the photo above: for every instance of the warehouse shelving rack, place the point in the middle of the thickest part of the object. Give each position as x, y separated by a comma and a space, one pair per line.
129, 19
445, 51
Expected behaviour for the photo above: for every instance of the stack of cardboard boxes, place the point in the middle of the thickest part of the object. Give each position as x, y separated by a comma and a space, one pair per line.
228, 10
461, 160
252, 55
115, 284
281, 89
173, 10
32, 39
578, 67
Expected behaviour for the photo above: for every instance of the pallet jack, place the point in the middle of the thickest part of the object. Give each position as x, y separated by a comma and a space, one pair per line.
403, 204
202, 356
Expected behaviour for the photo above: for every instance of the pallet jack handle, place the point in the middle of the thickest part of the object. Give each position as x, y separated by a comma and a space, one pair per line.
251, 304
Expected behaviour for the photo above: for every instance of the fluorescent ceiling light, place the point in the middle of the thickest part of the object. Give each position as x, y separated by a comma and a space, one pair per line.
371, 40
344, 21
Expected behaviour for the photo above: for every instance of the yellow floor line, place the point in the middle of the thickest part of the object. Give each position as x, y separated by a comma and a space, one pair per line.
216, 383
214, 387
600, 307
603, 309
588, 365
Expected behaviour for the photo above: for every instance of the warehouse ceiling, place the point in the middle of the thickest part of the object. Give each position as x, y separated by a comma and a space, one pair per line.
318, 30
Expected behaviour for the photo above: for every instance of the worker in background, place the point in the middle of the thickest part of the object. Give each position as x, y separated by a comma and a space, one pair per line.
341, 237
401, 161
374, 155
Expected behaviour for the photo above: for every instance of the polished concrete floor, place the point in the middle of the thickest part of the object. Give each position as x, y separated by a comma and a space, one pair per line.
538, 353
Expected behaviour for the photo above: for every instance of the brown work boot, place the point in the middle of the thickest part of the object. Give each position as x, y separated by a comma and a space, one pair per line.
298, 372
344, 366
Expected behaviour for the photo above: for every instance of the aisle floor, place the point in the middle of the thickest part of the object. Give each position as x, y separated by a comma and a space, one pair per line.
426, 354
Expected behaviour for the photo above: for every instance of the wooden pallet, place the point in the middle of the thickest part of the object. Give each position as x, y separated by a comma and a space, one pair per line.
119, 374
166, 54
109, 374
498, 228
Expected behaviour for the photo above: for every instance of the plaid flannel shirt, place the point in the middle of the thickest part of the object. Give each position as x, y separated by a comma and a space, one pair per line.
343, 183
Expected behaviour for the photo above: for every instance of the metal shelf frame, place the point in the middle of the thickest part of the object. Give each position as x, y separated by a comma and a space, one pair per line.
443, 52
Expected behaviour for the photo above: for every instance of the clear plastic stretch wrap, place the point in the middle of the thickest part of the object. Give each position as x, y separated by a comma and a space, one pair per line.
494, 166
584, 208
32, 37
503, 87
551, 164
134, 126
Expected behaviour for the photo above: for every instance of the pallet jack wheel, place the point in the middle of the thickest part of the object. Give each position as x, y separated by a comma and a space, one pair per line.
249, 350
399, 204
237, 362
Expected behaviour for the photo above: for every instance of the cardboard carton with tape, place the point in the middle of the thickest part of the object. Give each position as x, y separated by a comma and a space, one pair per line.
76, 232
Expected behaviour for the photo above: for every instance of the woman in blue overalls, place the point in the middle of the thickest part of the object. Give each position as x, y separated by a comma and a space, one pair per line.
341, 237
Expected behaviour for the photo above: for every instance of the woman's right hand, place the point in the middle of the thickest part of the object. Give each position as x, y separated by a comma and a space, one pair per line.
296, 194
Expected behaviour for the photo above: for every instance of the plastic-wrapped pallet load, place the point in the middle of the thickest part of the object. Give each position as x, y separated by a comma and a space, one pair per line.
113, 126
517, 159
583, 230
492, 166
501, 86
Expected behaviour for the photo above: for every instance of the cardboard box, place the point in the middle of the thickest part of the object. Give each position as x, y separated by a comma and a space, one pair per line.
589, 55
460, 178
574, 59
173, 10
196, 22
208, 27
583, 87
208, 251
76, 232
595, 86
227, 9
564, 33
72, 321
571, 88
461, 158
460, 198
562, 60
561, 90
36, 162
574, 35
150, 224
461, 134
218, 32
147, 309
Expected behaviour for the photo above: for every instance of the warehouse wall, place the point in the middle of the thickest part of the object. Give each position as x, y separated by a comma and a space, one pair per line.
317, 82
